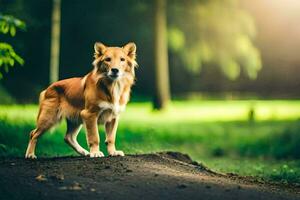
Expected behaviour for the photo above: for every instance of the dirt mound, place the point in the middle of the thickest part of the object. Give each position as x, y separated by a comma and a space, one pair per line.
167, 175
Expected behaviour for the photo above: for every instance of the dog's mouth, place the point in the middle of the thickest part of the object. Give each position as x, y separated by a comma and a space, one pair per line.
113, 76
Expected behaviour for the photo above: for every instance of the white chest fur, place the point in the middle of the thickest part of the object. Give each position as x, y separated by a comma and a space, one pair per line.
114, 108
109, 110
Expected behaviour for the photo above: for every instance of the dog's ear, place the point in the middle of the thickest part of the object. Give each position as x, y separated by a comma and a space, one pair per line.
99, 49
130, 49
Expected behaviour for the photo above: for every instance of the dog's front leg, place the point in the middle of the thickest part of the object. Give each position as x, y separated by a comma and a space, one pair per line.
93, 139
111, 131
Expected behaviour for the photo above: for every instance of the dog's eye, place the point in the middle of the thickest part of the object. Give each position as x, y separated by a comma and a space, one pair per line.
122, 59
108, 59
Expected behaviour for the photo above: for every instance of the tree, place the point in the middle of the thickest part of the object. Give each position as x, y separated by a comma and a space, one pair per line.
55, 41
162, 88
8, 56
216, 33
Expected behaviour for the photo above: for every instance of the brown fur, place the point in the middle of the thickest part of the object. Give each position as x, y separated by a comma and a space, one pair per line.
96, 98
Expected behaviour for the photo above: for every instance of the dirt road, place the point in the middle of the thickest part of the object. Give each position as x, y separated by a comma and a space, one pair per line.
150, 176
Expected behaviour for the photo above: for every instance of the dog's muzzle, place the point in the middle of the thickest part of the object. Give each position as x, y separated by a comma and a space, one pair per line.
114, 73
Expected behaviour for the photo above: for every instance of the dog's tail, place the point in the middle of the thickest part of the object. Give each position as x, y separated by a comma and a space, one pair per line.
41, 98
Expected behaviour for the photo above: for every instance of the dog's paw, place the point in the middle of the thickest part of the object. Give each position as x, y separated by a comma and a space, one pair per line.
30, 156
117, 153
84, 153
96, 154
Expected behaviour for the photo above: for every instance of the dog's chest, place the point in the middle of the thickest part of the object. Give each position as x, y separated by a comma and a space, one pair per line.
109, 111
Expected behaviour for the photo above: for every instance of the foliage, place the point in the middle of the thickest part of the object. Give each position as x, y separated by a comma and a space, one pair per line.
136, 21
285, 172
8, 57
215, 32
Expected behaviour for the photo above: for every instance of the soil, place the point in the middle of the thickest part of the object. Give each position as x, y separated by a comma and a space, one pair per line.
167, 175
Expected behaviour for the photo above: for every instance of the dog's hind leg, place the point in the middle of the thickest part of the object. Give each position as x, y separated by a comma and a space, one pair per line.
34, 134
71, 137
48, 116
42, 127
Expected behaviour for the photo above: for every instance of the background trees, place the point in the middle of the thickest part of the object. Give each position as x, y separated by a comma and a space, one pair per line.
215, 33
212, 45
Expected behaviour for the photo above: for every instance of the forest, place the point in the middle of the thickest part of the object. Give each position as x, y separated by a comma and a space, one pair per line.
217, 80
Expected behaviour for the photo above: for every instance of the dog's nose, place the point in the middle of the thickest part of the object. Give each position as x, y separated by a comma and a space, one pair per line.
115, 70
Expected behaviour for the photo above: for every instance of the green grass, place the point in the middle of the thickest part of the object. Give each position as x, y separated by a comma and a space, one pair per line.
284, 171
217, 133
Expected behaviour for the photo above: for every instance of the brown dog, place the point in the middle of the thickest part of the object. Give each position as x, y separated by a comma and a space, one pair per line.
98, 97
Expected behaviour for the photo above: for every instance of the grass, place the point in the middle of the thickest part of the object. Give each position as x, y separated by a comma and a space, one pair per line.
217, 133
284, 171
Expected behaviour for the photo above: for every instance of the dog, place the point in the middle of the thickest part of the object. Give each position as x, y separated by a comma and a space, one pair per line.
97, 98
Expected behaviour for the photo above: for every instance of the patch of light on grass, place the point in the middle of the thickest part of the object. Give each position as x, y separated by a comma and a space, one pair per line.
184, 111
196, 111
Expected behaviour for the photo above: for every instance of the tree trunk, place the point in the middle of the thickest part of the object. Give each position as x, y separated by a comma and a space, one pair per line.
55, 41
162, 88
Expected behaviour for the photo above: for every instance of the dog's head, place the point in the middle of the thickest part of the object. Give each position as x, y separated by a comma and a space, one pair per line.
115, 62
